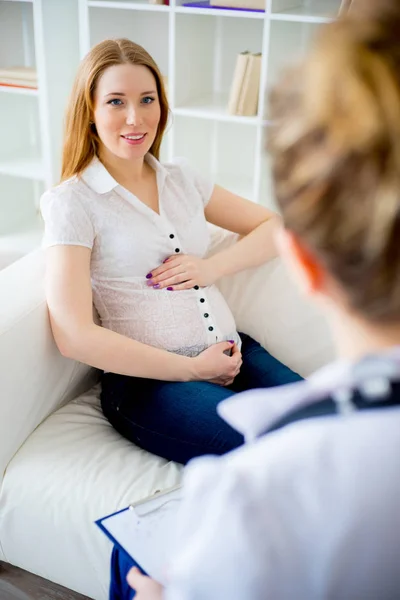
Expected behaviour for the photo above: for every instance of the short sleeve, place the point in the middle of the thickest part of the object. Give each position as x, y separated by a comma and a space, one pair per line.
66, 220
203, 184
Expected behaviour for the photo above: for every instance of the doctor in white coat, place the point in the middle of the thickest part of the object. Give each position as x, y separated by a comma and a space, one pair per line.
309, 509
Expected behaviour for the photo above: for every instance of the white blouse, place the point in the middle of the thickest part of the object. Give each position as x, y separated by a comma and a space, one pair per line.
128, 239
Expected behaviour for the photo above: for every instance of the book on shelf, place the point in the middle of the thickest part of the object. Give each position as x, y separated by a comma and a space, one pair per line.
259, 5
243, 4
243, 100
248, 101
23, 77
242, 61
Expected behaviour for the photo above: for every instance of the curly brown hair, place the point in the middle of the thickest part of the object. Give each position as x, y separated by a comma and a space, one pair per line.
335, 149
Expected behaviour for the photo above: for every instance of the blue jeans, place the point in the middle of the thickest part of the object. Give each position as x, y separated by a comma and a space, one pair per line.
179, 420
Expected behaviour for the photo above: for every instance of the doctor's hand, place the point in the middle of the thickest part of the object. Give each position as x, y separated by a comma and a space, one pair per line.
145, 587
182, 272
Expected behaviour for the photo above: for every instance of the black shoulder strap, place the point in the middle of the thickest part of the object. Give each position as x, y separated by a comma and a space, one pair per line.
358, 400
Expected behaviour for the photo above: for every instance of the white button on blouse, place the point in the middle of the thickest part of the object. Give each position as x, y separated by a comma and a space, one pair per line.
128, 239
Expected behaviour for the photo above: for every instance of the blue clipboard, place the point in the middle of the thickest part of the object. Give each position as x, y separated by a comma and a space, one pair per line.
145, 530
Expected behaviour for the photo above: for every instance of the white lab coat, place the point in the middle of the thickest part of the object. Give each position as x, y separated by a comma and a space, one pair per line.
309, 512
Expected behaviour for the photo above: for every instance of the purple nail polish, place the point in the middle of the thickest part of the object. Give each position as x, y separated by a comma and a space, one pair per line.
156, 286
170, 289
231, 341
149, 275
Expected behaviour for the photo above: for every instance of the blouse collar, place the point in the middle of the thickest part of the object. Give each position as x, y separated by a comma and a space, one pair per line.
101, 181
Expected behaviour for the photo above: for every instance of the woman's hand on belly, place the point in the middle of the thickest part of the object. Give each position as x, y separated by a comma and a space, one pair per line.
182, 272
218, 364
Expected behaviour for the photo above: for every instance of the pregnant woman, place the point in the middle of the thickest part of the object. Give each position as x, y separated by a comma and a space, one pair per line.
130, 235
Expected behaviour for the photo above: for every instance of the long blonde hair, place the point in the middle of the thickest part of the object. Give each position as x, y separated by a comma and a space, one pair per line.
80, 139
336, 155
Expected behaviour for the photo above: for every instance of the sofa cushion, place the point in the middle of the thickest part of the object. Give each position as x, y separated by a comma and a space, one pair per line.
268, 306
72, 470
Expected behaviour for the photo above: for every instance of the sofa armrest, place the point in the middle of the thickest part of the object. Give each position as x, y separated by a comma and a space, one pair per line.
35, 378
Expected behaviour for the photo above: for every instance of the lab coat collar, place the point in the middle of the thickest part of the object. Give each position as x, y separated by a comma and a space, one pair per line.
253, 412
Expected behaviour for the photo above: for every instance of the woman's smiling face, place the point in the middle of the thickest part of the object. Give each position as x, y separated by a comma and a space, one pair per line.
126, 111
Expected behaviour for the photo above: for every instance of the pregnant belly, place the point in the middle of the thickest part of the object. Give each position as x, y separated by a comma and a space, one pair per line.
172, 321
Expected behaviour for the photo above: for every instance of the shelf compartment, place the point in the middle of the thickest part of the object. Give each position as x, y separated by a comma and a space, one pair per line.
312, 11
205, 57
289, 42
17, 44
25, 166
234, 157
149, 29
16, 244
19, 200
223, 152
20, 151
242, 186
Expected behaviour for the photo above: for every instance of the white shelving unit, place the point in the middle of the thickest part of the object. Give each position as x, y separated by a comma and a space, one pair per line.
195, 48
42, 34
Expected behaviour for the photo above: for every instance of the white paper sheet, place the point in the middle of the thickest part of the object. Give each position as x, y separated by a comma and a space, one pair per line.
146, 531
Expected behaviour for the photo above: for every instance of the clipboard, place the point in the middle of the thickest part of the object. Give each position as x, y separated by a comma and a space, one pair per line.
145, 530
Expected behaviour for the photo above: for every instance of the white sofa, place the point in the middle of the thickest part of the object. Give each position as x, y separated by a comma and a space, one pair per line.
61, 464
